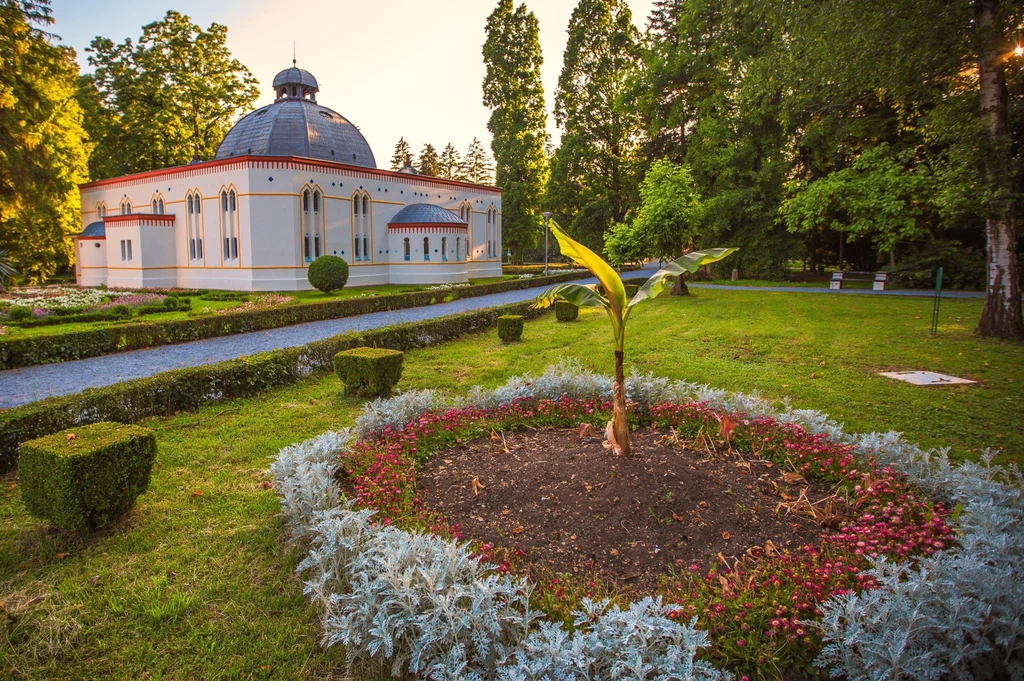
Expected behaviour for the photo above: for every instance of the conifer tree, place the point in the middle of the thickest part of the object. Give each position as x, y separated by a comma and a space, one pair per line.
402, 153
477, 167
515, 94
428, 161
43, 147
172, 95
450, 164
602, 129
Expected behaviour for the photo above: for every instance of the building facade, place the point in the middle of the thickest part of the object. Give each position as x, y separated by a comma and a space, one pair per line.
291, 182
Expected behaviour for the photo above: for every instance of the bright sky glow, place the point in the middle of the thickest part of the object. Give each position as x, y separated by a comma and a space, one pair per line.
392, 67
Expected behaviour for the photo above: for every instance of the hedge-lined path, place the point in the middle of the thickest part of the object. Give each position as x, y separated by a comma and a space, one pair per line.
913, 293
28, 384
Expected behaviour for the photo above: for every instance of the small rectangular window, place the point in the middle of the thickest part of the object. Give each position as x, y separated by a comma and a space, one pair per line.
227, 248
234, 248
192, 248
366, 248
316, 246
124, 252
305, 247
129, 249
199, 249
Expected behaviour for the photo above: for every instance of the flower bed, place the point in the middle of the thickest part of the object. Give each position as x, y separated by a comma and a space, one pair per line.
859, 602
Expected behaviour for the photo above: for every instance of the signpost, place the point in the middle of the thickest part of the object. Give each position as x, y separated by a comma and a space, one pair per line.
938, 299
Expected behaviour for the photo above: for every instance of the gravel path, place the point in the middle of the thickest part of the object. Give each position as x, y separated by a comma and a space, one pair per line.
28, 384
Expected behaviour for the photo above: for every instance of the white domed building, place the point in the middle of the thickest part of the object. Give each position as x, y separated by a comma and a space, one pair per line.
291, 182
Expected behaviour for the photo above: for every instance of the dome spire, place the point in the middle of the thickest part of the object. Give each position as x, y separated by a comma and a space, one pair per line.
295, 83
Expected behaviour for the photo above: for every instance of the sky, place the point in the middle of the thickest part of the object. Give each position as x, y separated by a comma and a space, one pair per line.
395, 68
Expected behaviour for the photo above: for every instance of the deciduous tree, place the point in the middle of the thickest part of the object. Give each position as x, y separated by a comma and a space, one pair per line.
172, 96
43, 146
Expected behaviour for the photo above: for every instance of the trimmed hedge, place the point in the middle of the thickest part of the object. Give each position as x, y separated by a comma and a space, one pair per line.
111, 315
19, 352
191, 387
87, 477
19, 313
371, 372
566, 311
510, 328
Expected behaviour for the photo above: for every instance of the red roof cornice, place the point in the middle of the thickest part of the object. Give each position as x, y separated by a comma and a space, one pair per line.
137, 218
427, 227
291, 162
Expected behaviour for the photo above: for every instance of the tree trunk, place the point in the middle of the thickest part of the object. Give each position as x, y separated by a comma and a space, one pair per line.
679, 288
1001, 314
620, 424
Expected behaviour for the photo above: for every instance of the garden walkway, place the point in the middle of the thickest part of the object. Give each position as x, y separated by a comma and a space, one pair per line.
28, 384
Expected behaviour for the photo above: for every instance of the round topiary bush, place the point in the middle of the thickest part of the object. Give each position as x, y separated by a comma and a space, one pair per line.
19, 313
566, 311
328, 273
510, 328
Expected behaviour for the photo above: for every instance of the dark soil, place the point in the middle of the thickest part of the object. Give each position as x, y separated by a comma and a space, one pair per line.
571, 506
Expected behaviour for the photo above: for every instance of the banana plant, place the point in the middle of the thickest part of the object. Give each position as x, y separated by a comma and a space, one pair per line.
614, 302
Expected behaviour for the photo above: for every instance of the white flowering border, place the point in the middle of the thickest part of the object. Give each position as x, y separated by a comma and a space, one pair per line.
431, 609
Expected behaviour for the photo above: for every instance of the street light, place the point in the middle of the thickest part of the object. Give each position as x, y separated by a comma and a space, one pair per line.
547, 230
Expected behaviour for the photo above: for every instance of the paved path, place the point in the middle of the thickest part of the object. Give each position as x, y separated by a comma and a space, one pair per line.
28, 384
845, 291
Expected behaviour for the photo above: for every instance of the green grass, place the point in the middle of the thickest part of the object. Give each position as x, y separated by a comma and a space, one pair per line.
198, 583
762, 283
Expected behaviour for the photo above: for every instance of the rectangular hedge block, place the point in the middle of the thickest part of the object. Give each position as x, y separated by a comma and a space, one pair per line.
566, 311
86, 477
510, 328
369, 372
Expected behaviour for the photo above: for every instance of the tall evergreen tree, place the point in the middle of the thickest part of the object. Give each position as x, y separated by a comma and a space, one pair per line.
477, 168
43, 146
450, 164
515, 94
403, 153
428, 162
601, 126
173, 95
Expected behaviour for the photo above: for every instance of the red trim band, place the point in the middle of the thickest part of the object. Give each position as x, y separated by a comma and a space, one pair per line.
302, 163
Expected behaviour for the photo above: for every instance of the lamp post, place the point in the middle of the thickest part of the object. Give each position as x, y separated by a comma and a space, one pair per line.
547, 231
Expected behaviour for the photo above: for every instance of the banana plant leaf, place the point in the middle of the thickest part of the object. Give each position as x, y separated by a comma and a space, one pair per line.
690, 262
578, 294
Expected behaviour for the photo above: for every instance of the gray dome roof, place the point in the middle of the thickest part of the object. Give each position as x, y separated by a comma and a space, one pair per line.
297, 127
95, 229
426, 213
295, 76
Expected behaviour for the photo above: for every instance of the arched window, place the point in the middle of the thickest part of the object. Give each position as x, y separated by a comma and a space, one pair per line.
316, 224
305, 201
193, 207
101, 210
160, 205
356, 225
366, 226
426, 248
444, 248
405, 249
458, 248
229, 220
126, 207
361, 225
311, 225
154, 209
491, 232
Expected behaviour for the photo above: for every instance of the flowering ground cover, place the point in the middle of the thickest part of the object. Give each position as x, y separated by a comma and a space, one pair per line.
199, 581
760, 603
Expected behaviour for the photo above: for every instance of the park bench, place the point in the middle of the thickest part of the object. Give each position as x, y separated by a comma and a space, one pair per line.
878, 279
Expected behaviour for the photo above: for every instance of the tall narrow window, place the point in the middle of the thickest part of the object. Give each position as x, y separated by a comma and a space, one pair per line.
366, 227
426, 248
225, 224
444, 248
233, 221
316, 223
405, 251
101, 210
196, 226
124, 251
154, 210
458, 248
160, 205
357, 237
305, 227
190, 226
126, 207
129, 249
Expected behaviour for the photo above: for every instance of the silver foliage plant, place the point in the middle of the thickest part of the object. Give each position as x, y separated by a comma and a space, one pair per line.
429, 608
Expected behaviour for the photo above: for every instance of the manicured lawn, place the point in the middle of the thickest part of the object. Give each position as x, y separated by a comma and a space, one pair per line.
196, 583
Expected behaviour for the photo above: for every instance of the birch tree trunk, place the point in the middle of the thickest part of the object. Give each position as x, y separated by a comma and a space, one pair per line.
1001, 314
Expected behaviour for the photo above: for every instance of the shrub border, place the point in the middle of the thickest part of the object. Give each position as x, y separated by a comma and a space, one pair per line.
191, 387
21, 352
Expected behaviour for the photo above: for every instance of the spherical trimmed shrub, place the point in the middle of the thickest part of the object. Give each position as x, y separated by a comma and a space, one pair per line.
19, 313
510, 328
566, 311
328, 273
